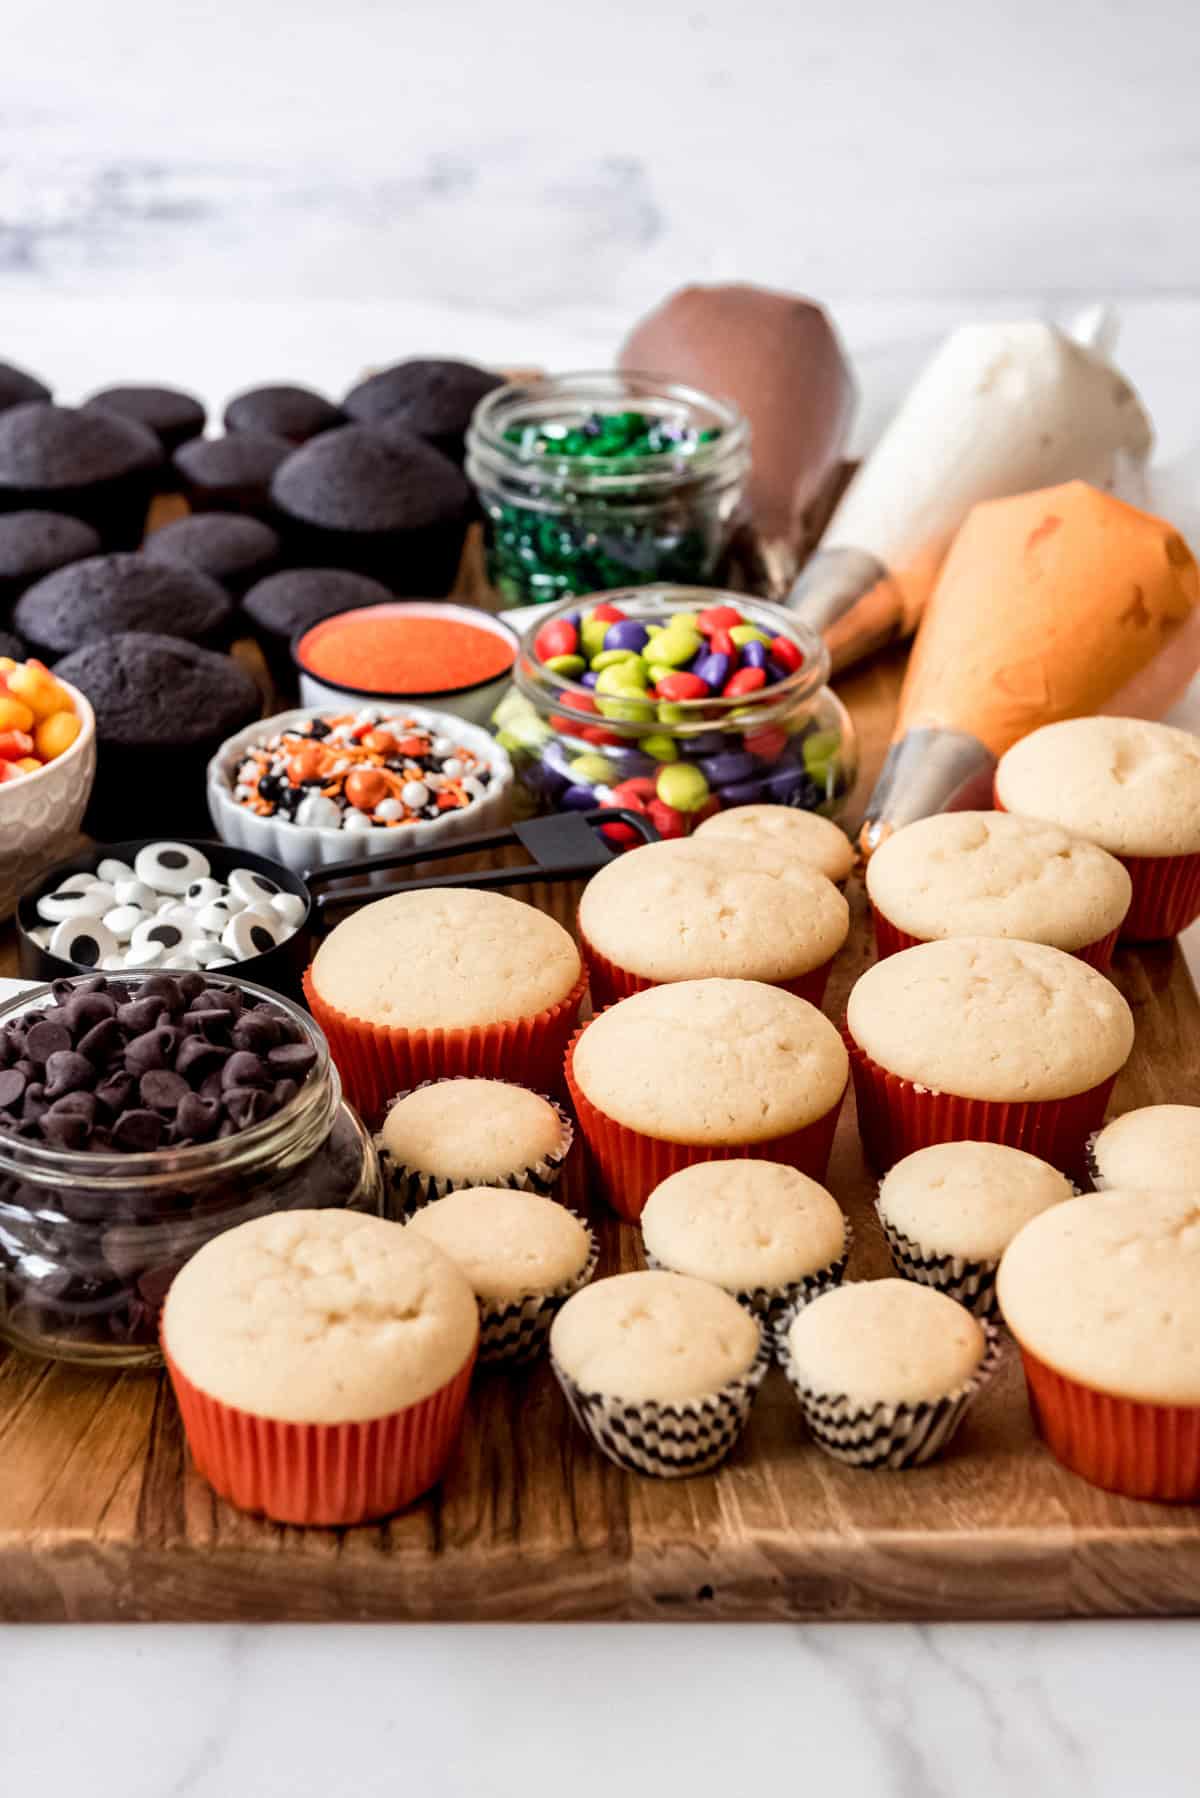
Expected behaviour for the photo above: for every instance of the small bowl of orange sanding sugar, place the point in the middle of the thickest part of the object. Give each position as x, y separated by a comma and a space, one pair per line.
450, 656
319, 785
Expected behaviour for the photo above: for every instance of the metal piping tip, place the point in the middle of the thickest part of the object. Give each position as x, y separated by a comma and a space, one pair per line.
849, 596
926, 771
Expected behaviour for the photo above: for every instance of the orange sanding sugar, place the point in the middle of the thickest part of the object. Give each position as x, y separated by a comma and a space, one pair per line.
388, 652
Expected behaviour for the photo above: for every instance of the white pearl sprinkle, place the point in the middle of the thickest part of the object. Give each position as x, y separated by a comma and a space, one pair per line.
388, 809
415, 794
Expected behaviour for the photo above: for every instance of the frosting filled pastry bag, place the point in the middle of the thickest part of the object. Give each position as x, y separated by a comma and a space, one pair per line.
1054, 604
1000, 409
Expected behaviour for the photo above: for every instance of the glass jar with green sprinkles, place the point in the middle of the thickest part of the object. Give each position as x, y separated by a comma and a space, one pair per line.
594, 481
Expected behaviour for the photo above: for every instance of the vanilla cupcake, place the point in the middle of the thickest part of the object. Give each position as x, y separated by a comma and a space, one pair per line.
693, 910
321, 1361
766, 1233
977, 1039
449, 1134
805, 835
1133, 788
524, 1256
450, 980
1158, 1146
659, 1369
885, 1370
1100, 1294
950, 1211
990, 874
704, 1070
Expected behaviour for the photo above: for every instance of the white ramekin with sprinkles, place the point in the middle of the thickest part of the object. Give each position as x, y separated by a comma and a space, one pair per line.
287, 786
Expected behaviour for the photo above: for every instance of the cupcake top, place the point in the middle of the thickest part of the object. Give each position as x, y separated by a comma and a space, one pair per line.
124, 592
806, 835
148, 690
885, 1342
36, 543
968, 1198
510, 1245
17, 387
47, 446
238, 464
434, 398
1104, 1288
351, 479
994, 874
172, 415
989, 1019
468, 1129
290, 601
1159, 1146
445, 960
1131, 786
296, 413
654, 1336
225, 546
711, 1061
743, 1224
320, 1317
689, 910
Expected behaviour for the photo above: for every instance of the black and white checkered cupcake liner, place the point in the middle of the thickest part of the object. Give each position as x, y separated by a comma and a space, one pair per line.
410, 1189
891, 1435
972, 1283
776, 1306
667, 1441
514, 1333
1091, 1166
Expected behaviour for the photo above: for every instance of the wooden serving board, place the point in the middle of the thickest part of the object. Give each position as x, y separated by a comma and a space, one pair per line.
102, 1518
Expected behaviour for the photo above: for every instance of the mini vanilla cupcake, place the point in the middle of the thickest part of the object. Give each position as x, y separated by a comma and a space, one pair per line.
1100, 1294
1158, 1146
524, 1256
766, 1233
885, 1370
950, 1211
321, 1361
990, 874
704, 1070
1132, 787
659, 1369
805, 835
712, 909
448, 1134
977, 1039
444, 981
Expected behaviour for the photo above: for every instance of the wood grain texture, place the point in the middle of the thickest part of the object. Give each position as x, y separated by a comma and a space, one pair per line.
101, 1516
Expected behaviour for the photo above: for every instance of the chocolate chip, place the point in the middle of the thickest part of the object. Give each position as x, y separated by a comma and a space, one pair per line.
138, 1131
283, 1092
153, 1049
246, 1105
67, 1071
46, 1039
292, 1059
86, 1010
255, 1031
35, 1103
102, 1042
190, 986
210, 1086
196, 1056
244, 1069
226, 998
115, 1092
79, 1104
165, 986
197, 1117
65, 1130
214, 1022
140, 1014
12, 1087
162, 1090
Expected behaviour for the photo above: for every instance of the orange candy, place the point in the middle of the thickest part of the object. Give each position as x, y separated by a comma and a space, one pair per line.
56, 734
380, 742
306, 763
14, 744
14, 713
365, 788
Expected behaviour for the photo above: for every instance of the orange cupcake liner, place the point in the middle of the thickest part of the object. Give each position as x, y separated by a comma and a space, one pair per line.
890, 939
376, 1061
627, 1165
1120, 1444
896, 1117
609, 982
335, 1474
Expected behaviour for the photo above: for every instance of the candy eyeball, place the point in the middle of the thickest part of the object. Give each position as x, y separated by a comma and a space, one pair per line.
201, 891
250, 888
170, 867
254, 933
85, 941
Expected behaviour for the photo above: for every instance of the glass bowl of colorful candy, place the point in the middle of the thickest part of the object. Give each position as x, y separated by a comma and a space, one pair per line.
592, 481
677, 702
47, 766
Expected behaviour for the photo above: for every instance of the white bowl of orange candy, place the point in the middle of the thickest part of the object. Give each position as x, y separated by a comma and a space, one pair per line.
47, 766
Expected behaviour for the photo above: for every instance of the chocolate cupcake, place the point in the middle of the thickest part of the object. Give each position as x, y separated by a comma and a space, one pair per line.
287, 603
163, 707
17, 388
396, 509
433, 399
296, 413
33, 544
104, 594
12, 646
229, 548
230, 474
91, 465
173, 416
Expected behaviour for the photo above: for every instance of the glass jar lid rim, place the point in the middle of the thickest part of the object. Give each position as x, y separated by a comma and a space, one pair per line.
491, 418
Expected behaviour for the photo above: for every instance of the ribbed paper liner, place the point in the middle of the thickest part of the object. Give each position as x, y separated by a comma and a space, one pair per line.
376, 1062
895, 1117
515, 1333
410, 1189
972, 1283
1120, 1444
890, 939
627, 1166
775, 1305
890, 1435
335, 1474
610, 983
668, 1441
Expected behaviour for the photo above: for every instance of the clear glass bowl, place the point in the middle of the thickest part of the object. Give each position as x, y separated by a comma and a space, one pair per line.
557, 525
89, 1243
789, 744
